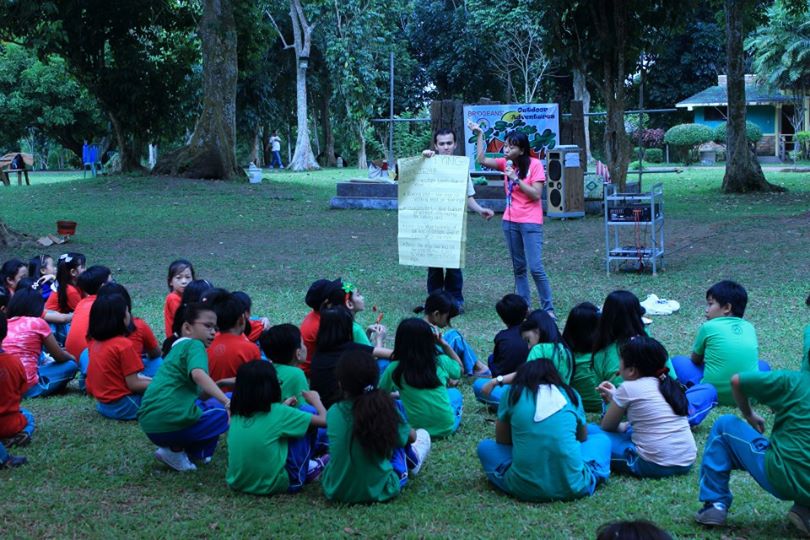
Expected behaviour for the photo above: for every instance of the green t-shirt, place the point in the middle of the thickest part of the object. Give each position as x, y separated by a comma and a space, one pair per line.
546, 457
257, 449
352, 475
606, 364
585, 382
359, 335
169, 401
293, 382
806, 349
729, 346
559, 356
787, 459
427, 408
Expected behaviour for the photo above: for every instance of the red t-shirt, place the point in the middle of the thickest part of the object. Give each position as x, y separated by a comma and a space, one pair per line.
255, 329
227, 352
309, 333
74, 296
76, 340
143, 339
173, 301
13, 384
111, 361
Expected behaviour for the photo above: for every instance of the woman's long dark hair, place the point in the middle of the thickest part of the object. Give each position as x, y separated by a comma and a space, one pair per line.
376, 419
335, 328
520, 140
107, 316
256, 388
545, 326
67, 262
111, 288
620, 320
415, 354
580, 327
532, 374
649, 358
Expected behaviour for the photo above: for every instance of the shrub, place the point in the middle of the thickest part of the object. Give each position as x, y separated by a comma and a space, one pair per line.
803, 138
651, 138
689, 136
654, 155
634, 166
752, 133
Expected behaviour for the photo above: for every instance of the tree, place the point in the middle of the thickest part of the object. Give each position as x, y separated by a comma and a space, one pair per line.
781, 50
303, 159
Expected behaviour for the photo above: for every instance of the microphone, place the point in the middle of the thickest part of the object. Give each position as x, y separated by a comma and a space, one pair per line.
509, 163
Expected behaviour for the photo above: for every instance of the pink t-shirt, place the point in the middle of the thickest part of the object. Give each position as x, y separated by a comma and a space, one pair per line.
25, 338
522, 209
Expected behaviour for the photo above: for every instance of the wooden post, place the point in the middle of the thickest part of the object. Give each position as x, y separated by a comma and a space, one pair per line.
448, 114
578, 132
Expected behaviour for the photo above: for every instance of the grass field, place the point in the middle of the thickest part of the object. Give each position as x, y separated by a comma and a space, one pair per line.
92, 477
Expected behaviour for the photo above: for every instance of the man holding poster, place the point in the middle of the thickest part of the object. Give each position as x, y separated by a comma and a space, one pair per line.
451, 280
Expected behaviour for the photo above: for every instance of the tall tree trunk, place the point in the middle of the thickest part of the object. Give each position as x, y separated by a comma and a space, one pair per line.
254, 149
362, 160
266, 152
211, 153
326, 124
743, 173
303, 159
581, 94
128, 147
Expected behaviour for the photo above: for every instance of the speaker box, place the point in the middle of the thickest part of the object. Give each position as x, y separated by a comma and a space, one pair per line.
565, 197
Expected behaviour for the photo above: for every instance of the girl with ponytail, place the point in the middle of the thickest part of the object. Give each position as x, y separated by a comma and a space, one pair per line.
371, 444
656, 440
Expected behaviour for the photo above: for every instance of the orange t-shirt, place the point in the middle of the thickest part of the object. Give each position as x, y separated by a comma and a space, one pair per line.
255, 329
143, 339
309, 333
173, 301
227, 352
76, 340
13, 384
74, 296
111, 361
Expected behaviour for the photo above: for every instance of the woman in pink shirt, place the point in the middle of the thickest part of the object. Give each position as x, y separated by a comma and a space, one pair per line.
523, 216
28, 333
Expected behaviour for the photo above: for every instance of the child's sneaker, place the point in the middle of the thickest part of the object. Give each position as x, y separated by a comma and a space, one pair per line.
800, 517
13, 461
316, 467
421, 448
176, 460
712, 514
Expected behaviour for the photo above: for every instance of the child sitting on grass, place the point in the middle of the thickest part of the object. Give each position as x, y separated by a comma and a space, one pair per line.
542, 450
270, 443
283, 346
231, 348
114, 371
579, 333
421, 376
183, 411
371, 445
725, 344
656, 440
779, 464
16, 423
181, 273
510, 350
253, 326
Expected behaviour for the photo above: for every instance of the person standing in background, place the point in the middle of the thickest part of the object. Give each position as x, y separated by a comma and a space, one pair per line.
275, 147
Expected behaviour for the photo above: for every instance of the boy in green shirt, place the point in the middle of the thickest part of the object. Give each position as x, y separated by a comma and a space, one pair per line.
780, 464
283, 345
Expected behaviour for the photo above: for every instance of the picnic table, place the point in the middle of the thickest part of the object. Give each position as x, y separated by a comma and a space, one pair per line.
10, 163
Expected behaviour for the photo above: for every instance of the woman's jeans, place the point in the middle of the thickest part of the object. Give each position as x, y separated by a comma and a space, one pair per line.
525, 243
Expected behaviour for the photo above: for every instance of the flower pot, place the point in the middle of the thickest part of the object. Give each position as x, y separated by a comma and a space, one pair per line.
65, 227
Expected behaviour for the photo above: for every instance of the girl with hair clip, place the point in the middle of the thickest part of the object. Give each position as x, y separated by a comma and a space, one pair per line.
270, 442
334, 338
27, 335
43, 270
114, 372
544, 340
523, 218
181, 273
542, 450
59, 307
183, 411
421, 376
439, 309
579, 334
656, 441
138, 332
192, 293
372, 447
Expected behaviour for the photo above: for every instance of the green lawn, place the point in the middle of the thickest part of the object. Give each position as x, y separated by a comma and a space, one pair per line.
92, 477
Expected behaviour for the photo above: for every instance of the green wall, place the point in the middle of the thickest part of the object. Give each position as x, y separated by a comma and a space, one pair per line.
761, 115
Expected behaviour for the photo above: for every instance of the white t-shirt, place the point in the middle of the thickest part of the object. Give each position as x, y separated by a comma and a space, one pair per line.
275, 142
661, 436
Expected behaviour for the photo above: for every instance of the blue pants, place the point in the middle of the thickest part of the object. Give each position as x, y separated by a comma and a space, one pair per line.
525, 243
732, 444
276, 162
60, 332
53, 378
200, 439
625, 459
31, 425
449, 280
382, 364
299, 452
467, 355
494, 397
84, 363
497, 458
3, 454
125, 408
150, 367
457, 404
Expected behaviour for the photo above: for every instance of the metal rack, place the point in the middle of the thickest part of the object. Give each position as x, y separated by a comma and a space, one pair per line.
634, 227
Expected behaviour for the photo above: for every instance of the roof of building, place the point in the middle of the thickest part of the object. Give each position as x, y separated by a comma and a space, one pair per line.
716, 96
